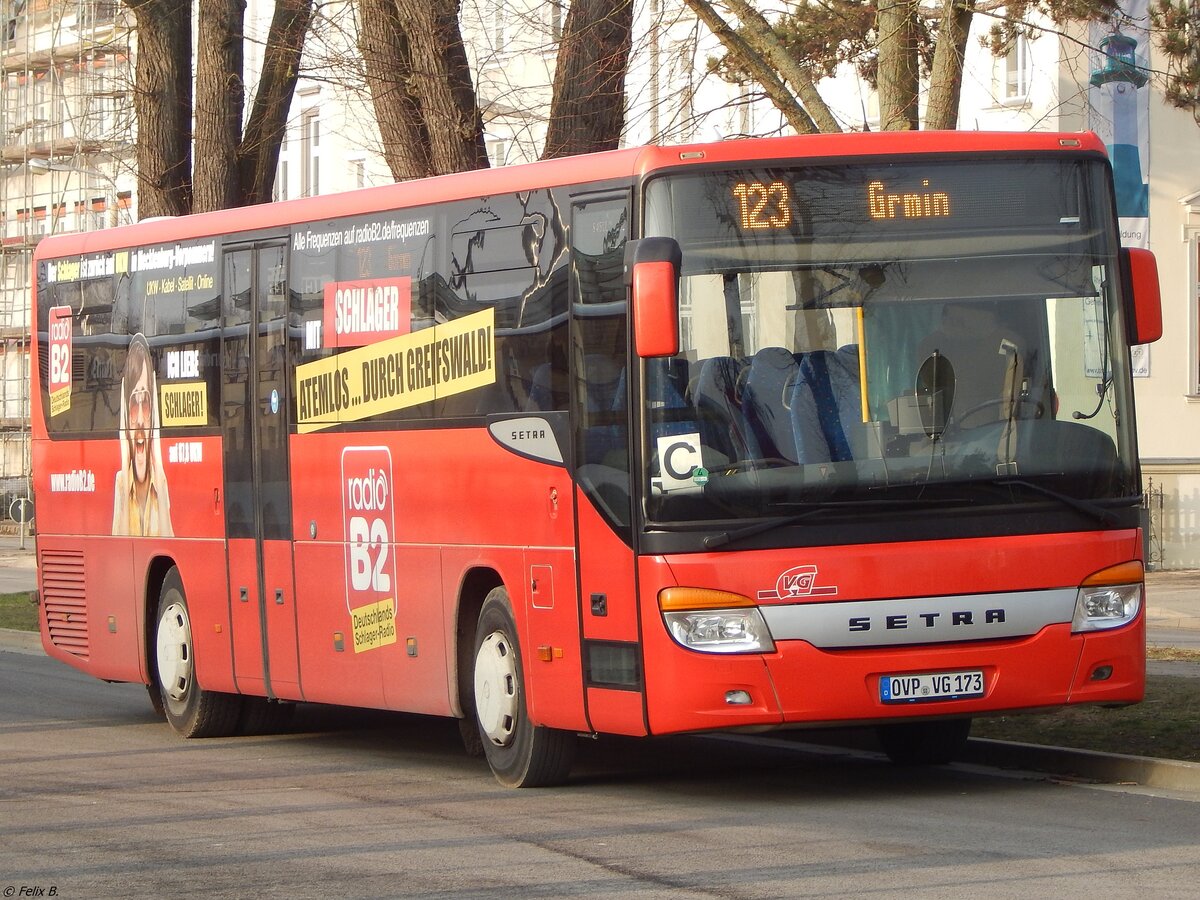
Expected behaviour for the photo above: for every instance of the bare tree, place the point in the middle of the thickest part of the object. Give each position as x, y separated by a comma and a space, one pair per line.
220, 165
388, 71
421, 86
895, 44
899, 76
162, 100
423, 90
258, 152
587, 112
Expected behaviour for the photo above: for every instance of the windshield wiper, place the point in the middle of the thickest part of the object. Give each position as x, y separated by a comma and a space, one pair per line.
1087, 507
736, 534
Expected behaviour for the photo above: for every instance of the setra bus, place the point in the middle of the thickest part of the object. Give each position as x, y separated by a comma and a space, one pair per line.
772, 433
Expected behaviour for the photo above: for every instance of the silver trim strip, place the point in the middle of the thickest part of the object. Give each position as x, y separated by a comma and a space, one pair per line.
920, 620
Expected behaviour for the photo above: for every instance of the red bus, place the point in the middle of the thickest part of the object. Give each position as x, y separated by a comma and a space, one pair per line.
814, 431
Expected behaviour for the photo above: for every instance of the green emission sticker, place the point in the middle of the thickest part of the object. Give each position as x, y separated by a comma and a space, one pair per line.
700, 476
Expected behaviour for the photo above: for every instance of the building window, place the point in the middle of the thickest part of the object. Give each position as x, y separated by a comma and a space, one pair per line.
41, 110
1194, 297
497, 151
310, 147
554, 15
281, 174
1017, 69
358, 172
98, 218
14, 99
499, 24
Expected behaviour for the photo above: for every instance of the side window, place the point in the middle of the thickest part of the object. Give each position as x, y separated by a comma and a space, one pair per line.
92, 307
176, 304
361, 288
237, 391
312, 265
508, 255
600, 365
83, 345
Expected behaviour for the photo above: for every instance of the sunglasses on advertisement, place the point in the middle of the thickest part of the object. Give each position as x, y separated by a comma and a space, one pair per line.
140, 400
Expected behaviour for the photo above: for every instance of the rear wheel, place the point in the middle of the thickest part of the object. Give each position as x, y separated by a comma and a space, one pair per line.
520, 753
191, 710
155, 693
924, 743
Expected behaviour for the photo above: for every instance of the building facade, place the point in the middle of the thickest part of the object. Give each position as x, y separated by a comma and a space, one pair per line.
66, 146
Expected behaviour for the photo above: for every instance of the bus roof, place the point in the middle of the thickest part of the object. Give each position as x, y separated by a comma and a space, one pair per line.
595, 167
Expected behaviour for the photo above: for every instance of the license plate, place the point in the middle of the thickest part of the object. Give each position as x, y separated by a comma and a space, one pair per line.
930, 686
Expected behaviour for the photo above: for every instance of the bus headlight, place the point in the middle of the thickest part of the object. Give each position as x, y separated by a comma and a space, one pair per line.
714, 621
1109, 599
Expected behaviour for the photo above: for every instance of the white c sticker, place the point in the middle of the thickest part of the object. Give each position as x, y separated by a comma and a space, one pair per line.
678, 460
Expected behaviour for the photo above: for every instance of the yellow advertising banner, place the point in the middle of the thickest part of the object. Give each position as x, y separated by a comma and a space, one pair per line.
397, 373
60, 401
374, 625
184, 403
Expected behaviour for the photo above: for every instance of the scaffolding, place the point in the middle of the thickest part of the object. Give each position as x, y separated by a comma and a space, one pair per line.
66, 149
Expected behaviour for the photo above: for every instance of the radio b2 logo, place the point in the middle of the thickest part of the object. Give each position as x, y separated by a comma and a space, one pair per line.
60, 359
368, 513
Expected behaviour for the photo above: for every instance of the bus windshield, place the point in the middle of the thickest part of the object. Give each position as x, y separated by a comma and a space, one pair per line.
913, 331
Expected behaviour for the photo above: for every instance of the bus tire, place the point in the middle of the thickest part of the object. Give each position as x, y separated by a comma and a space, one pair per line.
520, 753
156, 702
468, 730
191, 710
924, 743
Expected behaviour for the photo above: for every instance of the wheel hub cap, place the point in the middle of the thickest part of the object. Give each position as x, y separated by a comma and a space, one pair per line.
496, 688
174, 647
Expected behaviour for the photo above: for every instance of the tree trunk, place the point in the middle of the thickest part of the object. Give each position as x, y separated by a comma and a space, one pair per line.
220, 93
759, 34
442, 83
587, 112
757, 67
258, 152
384, 48
899, 81
945, 81
162, 100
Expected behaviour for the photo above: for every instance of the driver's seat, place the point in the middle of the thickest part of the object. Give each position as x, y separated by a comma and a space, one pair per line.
987, 359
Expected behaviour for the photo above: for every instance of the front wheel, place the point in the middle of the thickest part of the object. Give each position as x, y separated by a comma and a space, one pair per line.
191, 710
520, 753
924, 743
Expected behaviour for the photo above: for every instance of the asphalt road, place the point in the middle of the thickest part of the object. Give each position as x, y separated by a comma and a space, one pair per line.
98, 799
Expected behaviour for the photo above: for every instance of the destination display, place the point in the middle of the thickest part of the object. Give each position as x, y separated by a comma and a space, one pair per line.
873, 202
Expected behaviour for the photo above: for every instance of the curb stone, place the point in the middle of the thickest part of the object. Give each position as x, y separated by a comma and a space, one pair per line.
21, 641
1091, 765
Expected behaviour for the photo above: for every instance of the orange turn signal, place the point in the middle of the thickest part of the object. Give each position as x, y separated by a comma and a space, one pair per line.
678, 599
1124, 573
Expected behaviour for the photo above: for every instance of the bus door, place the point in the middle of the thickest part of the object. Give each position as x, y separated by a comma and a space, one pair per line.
255, 399
601, 414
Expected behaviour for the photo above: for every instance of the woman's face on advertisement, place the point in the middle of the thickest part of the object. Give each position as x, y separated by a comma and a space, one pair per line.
140, 410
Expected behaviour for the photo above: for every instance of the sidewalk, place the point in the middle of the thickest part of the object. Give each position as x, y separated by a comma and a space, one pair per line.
1173, 609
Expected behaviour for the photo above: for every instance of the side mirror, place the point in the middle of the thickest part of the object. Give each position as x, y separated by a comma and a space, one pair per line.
652, 272
1139, 274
